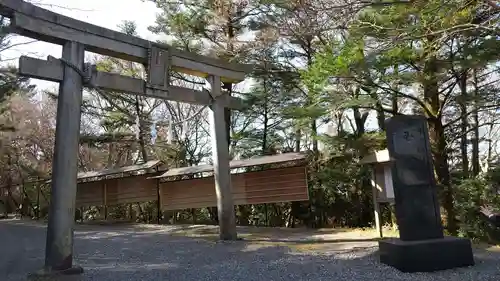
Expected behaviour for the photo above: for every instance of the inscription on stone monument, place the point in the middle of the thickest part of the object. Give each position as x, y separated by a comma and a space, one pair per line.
410, 145
417, 208
410, 142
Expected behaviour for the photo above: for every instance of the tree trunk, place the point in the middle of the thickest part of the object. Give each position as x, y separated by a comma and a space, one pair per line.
141, 131
314, 131
490, 146
230, 34
264, 148
298, 137
464, 125
244, 218
213, 215
363, 185
395, 105
110, 155
379, 107
381, 116
436, 131
10, 181
394, 98
227, 113
475, 133
359, 120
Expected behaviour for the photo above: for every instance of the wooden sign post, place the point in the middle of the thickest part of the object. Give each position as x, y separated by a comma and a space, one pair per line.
76, 37
382, 189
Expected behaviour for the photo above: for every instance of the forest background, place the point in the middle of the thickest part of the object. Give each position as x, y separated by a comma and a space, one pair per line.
327, 74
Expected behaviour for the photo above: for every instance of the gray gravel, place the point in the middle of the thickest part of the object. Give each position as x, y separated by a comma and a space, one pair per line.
120, 253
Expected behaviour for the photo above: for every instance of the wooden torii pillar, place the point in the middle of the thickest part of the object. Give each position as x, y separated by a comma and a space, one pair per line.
72, 74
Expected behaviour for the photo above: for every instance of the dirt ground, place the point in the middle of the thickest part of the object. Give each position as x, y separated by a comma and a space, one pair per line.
193, 252
299, 239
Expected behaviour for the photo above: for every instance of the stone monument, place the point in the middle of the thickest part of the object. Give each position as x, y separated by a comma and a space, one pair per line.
422, 247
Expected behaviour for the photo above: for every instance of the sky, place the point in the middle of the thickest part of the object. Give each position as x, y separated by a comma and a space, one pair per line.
105, 13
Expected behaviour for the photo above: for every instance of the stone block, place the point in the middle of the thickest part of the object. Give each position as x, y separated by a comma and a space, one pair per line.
426, 255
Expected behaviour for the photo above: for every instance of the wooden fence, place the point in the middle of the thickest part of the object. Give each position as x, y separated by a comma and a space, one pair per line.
267, 186
285, 183
283, 180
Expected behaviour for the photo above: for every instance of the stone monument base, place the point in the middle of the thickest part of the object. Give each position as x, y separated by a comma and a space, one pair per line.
426, 255
46, 274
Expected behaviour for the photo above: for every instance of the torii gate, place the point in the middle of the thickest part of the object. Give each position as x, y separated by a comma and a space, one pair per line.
73, 74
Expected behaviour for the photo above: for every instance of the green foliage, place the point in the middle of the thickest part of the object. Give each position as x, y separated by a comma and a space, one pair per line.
407, 54
471, 195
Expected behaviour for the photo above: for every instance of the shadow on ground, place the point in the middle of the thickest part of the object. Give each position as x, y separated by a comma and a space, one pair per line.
149, 253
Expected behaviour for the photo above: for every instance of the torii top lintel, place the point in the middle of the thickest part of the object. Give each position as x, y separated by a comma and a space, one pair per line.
41, 24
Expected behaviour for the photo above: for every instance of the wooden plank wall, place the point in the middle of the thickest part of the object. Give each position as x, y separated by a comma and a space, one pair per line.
116, 191
130, 190
268, 186
90, 194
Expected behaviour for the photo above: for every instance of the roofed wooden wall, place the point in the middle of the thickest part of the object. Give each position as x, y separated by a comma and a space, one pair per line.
116, 191
90, 194
268, 186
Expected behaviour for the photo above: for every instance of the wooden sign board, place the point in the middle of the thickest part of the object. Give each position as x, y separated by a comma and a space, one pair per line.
382, 182
381, 163
159, 60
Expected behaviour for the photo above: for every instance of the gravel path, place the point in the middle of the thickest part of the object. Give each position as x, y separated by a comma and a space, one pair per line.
123, 253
